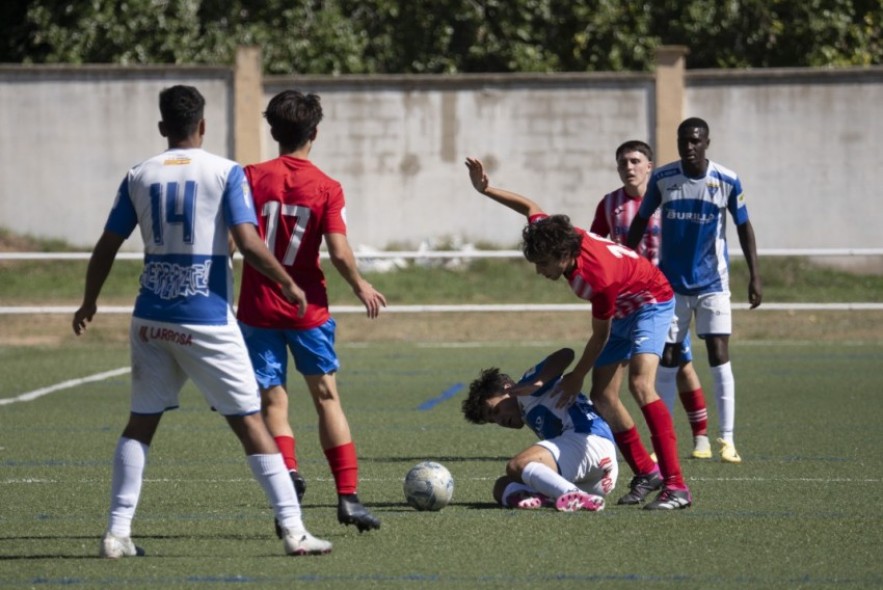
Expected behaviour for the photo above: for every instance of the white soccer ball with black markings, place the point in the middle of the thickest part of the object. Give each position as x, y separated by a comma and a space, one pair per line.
428, 486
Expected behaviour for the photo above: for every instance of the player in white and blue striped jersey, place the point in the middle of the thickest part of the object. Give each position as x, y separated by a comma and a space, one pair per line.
186, 202
573, 466
695, 195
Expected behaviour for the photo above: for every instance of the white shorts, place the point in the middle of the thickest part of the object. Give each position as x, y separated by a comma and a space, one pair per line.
164, 355
589, 461
713, 316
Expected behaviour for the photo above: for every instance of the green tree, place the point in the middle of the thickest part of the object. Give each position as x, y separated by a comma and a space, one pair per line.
444, 36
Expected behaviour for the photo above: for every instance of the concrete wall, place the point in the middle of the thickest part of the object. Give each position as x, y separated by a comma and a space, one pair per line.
69, 134
804, 141
806, 144
398, 146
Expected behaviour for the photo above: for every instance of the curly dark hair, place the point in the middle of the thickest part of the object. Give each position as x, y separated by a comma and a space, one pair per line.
293, 116
182, 109
489, 384
550, 238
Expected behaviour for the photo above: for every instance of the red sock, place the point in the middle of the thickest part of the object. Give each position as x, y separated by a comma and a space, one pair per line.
665, 443
286, 447
634, 452
694, 404
345, 467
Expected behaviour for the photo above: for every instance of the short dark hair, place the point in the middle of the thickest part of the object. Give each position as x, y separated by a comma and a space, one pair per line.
634, 145
693, 123
552, 237
182, 109
293, 116
490, 383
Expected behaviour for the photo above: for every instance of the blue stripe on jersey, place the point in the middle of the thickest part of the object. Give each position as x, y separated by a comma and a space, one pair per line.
237, 201
122, 219
586, 420
186, 289
544, 422
543, 418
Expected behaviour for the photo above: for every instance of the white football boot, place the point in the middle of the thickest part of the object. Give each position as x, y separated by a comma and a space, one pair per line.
303, 543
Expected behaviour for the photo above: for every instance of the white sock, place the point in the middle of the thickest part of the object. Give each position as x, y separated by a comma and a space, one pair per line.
129, 460
725, 396
545, 480
513, 488
271, 473
667, 386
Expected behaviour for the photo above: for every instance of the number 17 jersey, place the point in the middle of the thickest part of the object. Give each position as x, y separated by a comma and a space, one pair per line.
296, 204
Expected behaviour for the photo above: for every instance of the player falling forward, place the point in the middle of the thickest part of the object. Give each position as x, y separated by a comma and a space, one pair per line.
185, 201
573, 466
632, 306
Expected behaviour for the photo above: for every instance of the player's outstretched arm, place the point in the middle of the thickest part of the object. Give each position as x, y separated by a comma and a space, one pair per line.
572, 383
481, 183
99, 267
749, 250
341, 255
255, 252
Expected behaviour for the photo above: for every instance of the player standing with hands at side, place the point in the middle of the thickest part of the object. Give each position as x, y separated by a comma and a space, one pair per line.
186, 202
298, 205
613, 216
632, 306
694, 194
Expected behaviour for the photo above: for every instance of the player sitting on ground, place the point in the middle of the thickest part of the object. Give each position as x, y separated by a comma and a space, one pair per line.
573, 466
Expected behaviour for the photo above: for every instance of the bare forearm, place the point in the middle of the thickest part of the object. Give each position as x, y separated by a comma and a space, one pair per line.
749, 247
100, 265
518, 203
594, 346
255, 253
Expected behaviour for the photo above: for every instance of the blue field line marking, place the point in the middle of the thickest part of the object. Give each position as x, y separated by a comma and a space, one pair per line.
446, 394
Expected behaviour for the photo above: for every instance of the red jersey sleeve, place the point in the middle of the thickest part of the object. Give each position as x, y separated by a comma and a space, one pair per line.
335, 212
599, 224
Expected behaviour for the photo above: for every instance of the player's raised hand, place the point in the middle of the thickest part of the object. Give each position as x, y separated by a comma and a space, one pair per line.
82, 316
371, 298
477, 174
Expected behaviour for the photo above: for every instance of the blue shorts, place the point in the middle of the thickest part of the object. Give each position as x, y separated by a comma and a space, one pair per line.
313, 352
643, 331
686, 350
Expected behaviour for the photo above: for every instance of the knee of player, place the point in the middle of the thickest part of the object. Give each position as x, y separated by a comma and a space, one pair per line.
515, 466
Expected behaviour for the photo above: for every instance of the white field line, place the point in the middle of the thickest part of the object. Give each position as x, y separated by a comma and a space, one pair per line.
37, 393
454, 308
250, 481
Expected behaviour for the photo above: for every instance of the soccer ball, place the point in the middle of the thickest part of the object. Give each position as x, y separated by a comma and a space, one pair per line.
428, 486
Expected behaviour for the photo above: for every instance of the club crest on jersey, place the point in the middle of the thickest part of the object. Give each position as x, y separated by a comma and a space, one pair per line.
148, 333
712, 188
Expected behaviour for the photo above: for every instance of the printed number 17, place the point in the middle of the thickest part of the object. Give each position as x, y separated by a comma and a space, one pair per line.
271, 212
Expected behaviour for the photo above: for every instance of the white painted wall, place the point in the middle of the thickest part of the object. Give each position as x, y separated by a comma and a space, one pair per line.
805, 142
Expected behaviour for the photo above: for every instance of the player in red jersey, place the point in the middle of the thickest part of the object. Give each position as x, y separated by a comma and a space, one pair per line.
613, 216
632, 307
298, 206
